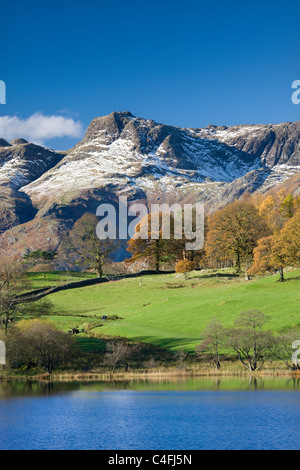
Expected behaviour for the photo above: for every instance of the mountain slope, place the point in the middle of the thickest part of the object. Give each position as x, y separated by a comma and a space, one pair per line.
124, 155
273, 144
131, 152
20, 163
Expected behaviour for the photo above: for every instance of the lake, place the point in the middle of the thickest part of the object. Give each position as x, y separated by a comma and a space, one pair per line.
164, 415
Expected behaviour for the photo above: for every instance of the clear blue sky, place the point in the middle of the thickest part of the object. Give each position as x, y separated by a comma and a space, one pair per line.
184, 63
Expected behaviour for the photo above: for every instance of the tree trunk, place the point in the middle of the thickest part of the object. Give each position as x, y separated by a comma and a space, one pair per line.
99, 269
281, 278
238, 262
247, 276
157, 256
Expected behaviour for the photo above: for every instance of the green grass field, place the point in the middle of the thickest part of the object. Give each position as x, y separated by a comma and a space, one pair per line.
167, 310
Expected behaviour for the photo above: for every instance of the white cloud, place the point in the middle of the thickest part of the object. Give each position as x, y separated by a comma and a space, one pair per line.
39, 128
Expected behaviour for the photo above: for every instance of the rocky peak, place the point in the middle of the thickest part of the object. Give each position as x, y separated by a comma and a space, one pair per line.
22, 162
19, 141
109, 127
121, 154
3, 143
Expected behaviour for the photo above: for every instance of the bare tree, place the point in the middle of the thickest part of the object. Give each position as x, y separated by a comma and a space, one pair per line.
282, 348
83, 247
151, 363
117, 353
213, 343
181, 357
37, 342
12, 282
249, 341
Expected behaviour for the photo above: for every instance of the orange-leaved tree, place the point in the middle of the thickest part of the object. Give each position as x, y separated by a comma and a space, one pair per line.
184, 266
280, 250
233, 232
149, 242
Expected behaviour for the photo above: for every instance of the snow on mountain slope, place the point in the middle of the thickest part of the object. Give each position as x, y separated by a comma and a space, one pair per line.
121, 149
21, 162
121, 154
273, 144
126, 152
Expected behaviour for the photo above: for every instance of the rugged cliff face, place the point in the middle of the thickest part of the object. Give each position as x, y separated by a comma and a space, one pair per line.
43, 191
274, 144
20, 164
135, 154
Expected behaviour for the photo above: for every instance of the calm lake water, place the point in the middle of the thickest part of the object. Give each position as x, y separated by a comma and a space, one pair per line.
182, 415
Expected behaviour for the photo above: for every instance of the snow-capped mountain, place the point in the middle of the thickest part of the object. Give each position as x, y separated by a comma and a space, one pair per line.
121, 154
20, 163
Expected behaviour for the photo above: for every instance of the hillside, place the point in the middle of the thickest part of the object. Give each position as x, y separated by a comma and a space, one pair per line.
168, 311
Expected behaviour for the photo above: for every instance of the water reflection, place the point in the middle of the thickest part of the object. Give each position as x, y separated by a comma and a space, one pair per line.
11, 389
296, 382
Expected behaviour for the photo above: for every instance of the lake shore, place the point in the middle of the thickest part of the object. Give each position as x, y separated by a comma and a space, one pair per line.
159, 374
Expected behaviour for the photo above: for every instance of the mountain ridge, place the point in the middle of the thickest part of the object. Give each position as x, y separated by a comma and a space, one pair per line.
121, 154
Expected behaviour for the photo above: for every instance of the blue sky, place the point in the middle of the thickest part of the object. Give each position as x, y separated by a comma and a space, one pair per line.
184, 63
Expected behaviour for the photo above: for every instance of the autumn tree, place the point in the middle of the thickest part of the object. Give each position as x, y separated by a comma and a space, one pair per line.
276, 209
233, 232
267, 257
199, 258
289, 241
269, 211
280, 250
262, 256
149, 242
83, 247
287, 207
277, 255
184, 266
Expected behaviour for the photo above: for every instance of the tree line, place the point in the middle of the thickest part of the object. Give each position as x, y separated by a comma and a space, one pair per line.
249, 341
34, 344
260, 234
257, 233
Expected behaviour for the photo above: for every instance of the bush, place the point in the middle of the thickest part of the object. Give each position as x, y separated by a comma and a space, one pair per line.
38, 343
184, 266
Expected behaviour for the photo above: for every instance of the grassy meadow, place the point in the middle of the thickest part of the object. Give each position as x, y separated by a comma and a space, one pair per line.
167, 310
